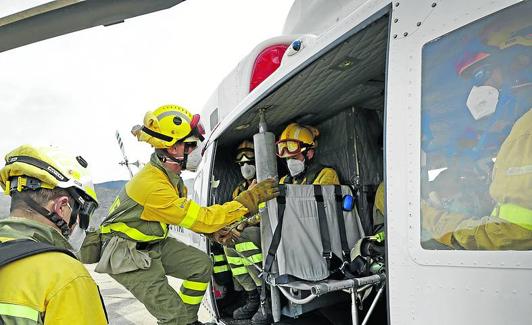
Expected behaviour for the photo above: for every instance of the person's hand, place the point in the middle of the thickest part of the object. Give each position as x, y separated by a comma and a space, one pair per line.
262, 192
226, 236
253, 184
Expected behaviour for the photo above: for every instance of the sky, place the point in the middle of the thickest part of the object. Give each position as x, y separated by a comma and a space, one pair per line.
75, 91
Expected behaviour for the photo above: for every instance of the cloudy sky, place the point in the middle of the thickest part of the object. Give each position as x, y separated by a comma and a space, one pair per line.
76, 90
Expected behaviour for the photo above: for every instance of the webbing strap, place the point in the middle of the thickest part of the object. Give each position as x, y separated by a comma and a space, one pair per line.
276, 239
324, 228
14, 250
341, 223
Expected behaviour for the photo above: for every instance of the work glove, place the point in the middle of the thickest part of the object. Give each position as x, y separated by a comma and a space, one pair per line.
262, 192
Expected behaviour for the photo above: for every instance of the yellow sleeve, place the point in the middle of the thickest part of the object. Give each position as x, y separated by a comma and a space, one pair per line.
327, 176
439, 224
164, 205
78, 303
459, 231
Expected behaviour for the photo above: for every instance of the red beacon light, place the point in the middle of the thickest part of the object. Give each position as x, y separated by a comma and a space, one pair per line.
266, 63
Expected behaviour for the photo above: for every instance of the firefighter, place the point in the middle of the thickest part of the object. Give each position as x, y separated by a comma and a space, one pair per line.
242, 245
297, 145
509, 227
137, 250
52, 200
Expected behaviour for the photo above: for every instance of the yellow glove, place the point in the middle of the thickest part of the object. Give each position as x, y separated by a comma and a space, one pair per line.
262, 192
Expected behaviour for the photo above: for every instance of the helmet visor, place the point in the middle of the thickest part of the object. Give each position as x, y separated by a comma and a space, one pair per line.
289, 148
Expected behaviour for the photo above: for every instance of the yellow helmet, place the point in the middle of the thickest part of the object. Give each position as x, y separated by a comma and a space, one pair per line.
245, 152
168, 124
295, 139
32, 168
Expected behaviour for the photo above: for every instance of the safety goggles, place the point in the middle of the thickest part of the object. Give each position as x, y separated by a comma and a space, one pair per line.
83, 207
481, 75
245, 155
289, 148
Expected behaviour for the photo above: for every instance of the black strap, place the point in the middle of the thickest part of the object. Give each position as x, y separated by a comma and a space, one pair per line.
157, 135
341, 223
324, 228
39, 164
17, 249
276, 239
53, 217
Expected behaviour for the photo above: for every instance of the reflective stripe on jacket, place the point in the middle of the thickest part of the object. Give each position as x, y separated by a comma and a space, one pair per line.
514, 214
47, 288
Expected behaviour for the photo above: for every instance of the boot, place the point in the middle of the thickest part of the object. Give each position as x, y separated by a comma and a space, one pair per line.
263, 317
250, 308
232, 302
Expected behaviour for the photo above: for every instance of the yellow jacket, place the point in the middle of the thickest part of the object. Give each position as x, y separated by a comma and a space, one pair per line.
155, 198
48, 288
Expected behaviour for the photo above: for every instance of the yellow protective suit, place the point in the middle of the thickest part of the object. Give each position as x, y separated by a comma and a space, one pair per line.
47, 288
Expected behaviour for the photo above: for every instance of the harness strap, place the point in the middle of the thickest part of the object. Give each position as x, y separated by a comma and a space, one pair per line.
17, 249
341, 223
276, 239
324, 228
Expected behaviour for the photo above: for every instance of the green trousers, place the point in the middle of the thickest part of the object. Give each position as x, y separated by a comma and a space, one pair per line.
150, 286
243, 269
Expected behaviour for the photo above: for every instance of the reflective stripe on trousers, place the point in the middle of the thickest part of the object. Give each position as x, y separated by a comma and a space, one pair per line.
191, 292
220, 264
250, 251
237, 265
133, 233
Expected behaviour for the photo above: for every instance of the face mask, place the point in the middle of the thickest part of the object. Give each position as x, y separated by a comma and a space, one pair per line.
76, 238
248, 171
193, 160
482, 101
295, 166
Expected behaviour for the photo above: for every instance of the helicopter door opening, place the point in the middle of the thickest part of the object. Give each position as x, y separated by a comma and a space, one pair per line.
341, 93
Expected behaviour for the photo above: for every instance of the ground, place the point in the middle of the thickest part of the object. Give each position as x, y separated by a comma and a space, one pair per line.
122, 307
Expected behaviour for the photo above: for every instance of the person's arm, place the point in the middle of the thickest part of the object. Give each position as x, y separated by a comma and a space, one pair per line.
164, 205
78, 302
459, 231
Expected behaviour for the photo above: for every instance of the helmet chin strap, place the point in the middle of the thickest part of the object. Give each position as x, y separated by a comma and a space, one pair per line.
52, 216
165, 156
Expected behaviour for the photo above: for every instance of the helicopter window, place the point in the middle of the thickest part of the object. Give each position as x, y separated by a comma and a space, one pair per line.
476, 138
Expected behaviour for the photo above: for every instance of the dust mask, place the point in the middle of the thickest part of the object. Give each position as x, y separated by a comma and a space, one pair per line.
482, 101
295, 166
248, 171
76, 238
193, 160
